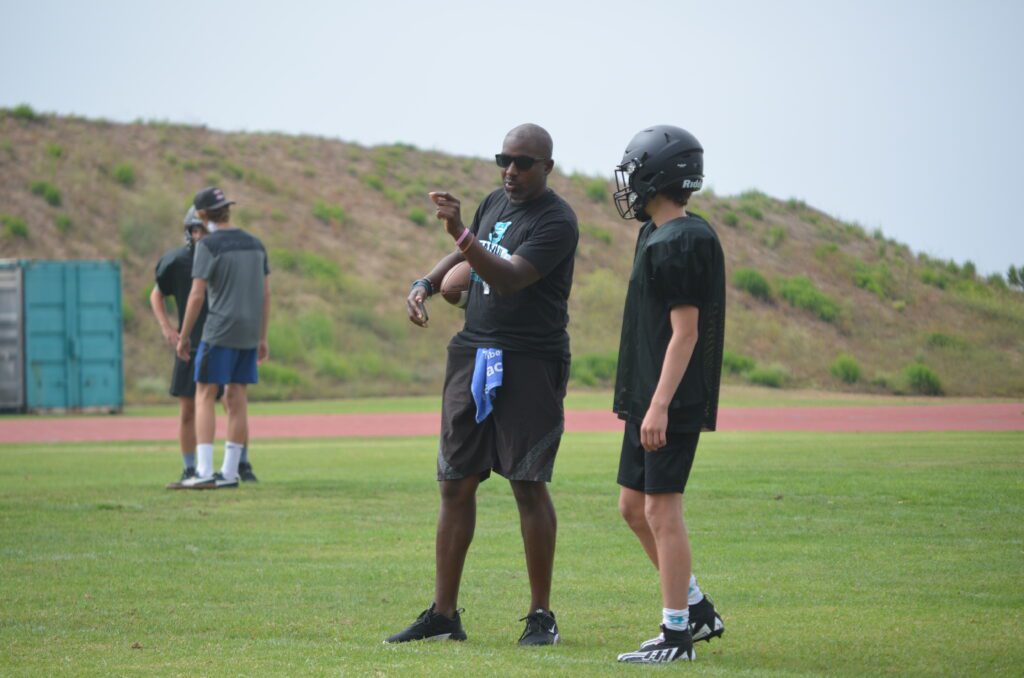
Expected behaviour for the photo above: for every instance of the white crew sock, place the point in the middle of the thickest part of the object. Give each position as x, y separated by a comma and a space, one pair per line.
204, 460
675, 620
695, 595
232, 453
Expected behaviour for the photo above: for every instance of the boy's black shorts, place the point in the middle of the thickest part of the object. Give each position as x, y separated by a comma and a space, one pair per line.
664, 470
183, 384
520, 438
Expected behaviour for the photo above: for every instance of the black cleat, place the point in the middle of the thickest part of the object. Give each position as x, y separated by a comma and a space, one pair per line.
670, 646
189, 472
431, 625
541, 629
705, 622
245, 473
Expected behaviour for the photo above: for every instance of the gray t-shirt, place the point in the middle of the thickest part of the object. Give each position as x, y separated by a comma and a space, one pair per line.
233, 264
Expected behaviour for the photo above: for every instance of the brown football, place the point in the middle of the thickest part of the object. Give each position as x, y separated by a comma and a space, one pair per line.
455, 284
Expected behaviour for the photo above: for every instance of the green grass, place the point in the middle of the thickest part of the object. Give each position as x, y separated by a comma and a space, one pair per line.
835, 555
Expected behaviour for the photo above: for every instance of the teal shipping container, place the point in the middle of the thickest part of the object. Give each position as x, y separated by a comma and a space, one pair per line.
71, 315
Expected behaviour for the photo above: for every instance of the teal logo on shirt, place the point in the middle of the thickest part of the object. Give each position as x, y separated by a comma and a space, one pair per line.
498, 232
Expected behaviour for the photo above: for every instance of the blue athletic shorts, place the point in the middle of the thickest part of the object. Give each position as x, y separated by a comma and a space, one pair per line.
221, 365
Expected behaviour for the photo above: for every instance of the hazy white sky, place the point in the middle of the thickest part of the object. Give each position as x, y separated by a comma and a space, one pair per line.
904, 116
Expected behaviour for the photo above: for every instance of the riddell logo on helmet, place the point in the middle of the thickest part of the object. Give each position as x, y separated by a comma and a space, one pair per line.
692, 183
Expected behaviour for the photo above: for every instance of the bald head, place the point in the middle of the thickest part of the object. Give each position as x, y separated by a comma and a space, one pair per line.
532, 137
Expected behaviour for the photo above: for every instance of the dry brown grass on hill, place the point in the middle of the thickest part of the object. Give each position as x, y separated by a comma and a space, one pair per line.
348, 227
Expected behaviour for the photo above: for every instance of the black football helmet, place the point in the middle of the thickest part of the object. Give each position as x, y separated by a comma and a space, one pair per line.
656, 158
191, 221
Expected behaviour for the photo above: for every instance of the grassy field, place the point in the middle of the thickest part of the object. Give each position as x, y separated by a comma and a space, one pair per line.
840, 555
733, 395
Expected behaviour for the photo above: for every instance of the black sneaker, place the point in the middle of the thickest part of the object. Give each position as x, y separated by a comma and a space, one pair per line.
245, 472
189, 472
541, 629
670, 646
431, 625
705, 622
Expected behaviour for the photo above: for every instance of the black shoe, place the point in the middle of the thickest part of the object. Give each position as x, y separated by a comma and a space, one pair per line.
245, 472
705, 622
670, 646
541, 629
431, 625
189, 472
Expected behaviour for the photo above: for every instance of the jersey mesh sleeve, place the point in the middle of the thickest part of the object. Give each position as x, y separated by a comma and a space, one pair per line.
678, 273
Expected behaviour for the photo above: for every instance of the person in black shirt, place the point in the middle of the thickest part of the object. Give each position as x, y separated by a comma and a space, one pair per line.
174, 279
521, 246
669, 370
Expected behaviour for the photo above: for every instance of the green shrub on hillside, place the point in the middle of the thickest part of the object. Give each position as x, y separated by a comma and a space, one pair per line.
752, 211
921, 379
54, 150
596, 232
752, 282
231, 170
25, 112
1015, 276
594, 369
124, 174
308, 265
736, 363
731, 219
846, 368
774, 376
825, 250
127, 314
317, 330
334, 366
285, 343
935, 277
374, 182
941, 340
328, 213
775, 236
14, 227
275, 374
875, 278
63, 223
597, 190
418, 216
796, 204
46, 191
800, 292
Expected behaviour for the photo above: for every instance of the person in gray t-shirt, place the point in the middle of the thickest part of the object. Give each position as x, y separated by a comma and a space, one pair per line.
231, 268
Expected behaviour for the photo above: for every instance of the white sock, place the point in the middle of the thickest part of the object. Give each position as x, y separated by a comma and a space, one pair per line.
204, 460
232, 453
675, 620
695, 595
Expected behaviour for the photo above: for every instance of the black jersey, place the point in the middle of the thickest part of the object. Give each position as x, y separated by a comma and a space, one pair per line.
544, 232
174, 279
679, 263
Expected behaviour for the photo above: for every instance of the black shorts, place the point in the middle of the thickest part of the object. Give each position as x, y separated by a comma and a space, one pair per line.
520, 438
183, 383
661, 471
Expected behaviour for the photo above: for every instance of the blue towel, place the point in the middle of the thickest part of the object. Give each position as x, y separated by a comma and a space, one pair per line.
486, 379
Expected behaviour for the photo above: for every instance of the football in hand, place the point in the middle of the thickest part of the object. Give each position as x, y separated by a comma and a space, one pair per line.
455, 284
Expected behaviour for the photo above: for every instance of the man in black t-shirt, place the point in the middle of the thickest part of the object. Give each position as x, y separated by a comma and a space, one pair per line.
174, 279
521, 246
669, 370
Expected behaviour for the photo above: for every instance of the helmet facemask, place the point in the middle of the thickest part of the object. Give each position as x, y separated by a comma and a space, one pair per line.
627, 196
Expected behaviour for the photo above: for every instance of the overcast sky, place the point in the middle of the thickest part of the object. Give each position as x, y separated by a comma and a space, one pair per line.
904, 116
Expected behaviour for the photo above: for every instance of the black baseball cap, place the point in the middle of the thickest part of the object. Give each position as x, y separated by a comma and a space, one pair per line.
211, 198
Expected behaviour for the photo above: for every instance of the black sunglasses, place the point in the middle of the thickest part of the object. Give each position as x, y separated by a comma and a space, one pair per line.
523, 162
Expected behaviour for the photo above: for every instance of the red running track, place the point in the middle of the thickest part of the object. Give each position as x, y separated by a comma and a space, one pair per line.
971, 417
